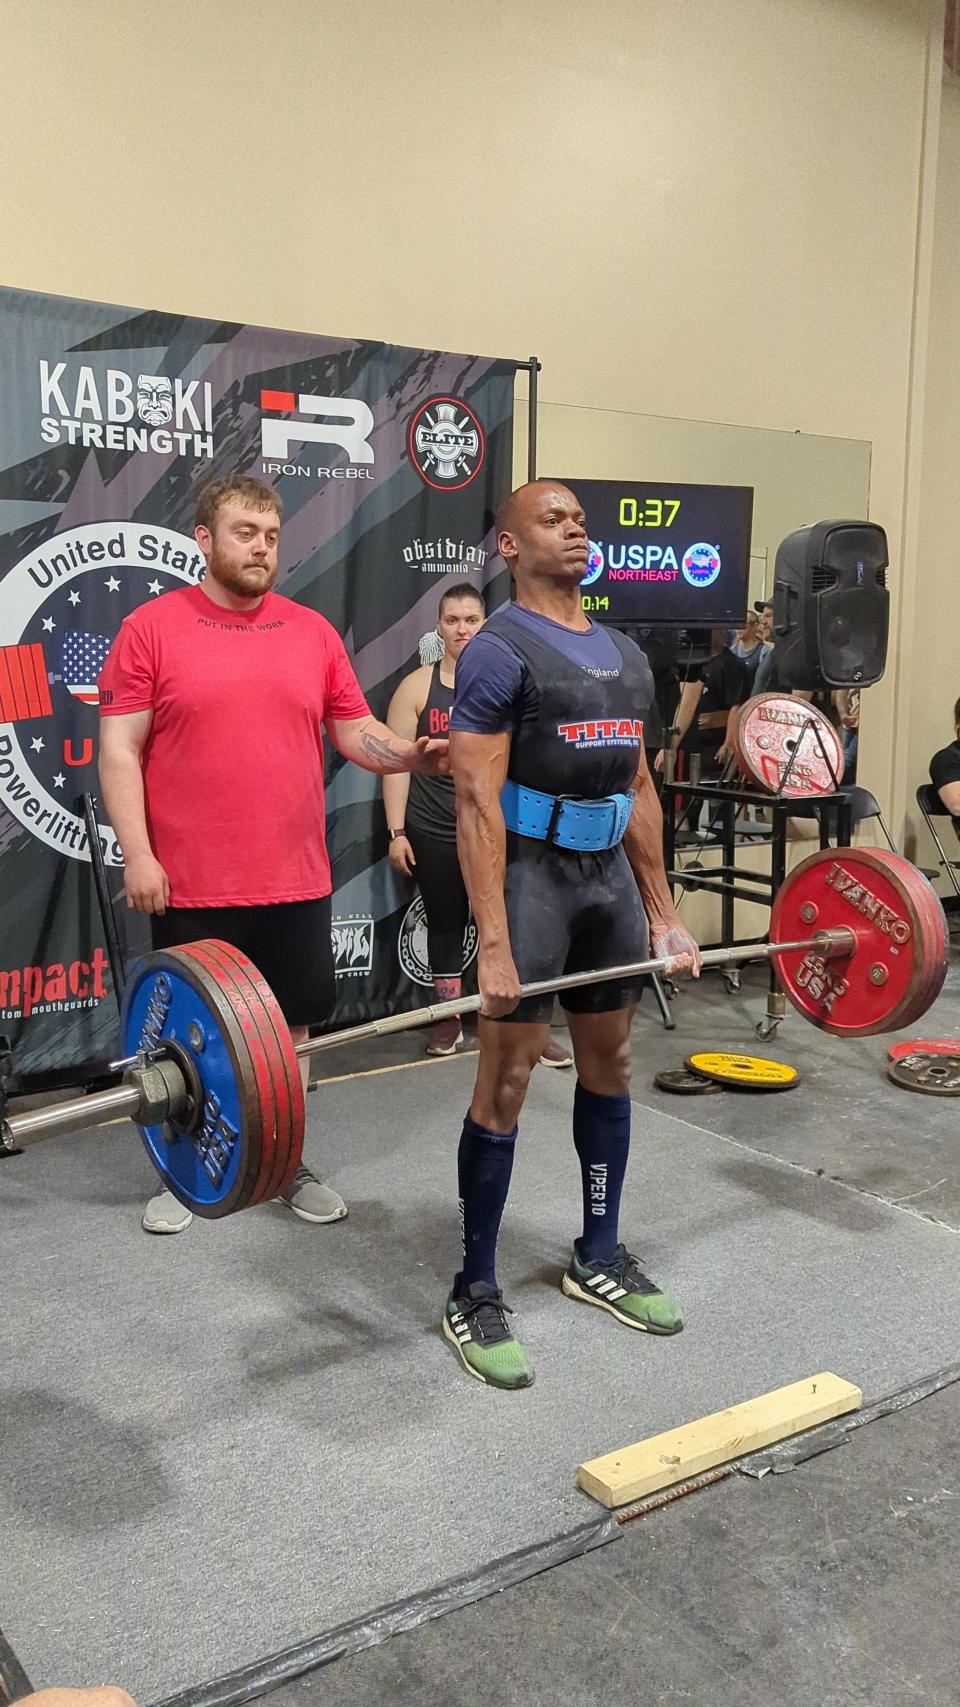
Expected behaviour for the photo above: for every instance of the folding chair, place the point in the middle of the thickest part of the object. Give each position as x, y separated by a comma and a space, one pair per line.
931, 806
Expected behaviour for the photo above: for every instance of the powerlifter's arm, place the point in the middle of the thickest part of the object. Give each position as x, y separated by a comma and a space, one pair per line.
643, 846
479, 765
122, 740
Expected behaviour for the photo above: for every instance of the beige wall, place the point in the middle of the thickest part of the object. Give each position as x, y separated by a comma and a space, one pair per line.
932, 684
719, 211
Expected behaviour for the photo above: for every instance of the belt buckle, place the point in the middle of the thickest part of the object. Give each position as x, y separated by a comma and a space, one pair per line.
560, 800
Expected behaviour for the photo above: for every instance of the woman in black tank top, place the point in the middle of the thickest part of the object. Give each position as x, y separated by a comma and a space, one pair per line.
421, 811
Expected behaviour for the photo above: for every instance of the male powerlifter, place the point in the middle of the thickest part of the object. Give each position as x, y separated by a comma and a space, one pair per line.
560, 838
214, 701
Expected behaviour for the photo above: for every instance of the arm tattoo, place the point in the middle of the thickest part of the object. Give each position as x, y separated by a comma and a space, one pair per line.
383, 754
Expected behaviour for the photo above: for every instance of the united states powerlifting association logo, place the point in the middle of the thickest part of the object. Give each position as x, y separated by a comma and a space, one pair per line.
60, 609
700, 564
412, 944
446, 443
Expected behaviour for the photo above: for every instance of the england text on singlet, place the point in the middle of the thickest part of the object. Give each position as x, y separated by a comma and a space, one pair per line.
579, 731
431, 802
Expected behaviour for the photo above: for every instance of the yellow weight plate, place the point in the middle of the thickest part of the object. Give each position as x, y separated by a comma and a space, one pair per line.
745, 1072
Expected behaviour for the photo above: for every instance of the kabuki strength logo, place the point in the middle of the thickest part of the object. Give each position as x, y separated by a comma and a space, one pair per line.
60, 610
446, 443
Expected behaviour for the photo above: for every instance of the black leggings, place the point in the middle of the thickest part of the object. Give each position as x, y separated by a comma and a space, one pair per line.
444, 900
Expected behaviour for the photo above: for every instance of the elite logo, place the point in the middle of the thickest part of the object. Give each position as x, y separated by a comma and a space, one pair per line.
344, 421
603, 732
446, 444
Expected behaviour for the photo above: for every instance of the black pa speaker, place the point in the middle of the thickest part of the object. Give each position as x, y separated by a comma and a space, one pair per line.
831, 608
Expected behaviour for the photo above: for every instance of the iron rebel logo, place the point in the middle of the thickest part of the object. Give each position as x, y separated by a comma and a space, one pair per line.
446, 444
112, 411
343, 421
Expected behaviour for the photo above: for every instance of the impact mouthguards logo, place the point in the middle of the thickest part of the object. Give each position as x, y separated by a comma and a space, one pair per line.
446, 444
78, 408
343, 421
60, 609
700, 564
412, 944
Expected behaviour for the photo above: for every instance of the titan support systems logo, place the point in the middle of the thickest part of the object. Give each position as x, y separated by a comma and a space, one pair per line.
113, 411
701, 564
446, 444
412, 943
346, 422
60, 609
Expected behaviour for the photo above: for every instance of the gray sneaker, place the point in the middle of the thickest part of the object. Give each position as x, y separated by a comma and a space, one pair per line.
311, 1200
166, 1214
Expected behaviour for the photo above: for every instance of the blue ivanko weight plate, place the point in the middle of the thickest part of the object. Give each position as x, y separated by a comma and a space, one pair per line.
212, 1163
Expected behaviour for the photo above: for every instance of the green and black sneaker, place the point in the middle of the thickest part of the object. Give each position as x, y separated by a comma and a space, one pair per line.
476, 1323
621, 1287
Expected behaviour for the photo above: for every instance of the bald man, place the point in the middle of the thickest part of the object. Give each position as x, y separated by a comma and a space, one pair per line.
559, 832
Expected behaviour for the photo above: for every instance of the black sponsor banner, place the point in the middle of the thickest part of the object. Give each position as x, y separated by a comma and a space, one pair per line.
390, 463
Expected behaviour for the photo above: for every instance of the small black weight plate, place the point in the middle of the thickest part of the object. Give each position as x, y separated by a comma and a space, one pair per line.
934, 1075
684, 1084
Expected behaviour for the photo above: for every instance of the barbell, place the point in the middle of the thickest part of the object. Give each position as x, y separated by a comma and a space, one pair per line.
211, 1073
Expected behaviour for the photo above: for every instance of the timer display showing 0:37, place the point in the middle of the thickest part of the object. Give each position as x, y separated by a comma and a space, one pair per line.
652, 513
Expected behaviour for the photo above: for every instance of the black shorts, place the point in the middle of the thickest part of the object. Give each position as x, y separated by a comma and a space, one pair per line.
570, 912
289, 942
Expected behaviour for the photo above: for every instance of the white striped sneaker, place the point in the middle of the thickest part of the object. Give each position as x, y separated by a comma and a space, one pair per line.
620, 1286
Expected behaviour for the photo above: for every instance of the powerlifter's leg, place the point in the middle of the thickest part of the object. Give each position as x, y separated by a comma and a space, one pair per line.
476, 1318
602, 1271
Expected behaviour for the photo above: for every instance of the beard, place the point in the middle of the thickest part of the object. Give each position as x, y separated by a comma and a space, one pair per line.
247, 580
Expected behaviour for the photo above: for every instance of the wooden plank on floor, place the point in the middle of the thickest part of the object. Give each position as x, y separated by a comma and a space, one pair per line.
649, 1465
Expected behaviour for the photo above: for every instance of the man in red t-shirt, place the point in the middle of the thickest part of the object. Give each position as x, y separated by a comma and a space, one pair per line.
213, 703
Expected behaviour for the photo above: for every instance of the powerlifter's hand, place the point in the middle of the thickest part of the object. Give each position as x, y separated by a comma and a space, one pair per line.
672, 942
146, 885
433, 757
400, 855
499, 984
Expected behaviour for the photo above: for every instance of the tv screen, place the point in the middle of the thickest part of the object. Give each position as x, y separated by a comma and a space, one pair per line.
661, 554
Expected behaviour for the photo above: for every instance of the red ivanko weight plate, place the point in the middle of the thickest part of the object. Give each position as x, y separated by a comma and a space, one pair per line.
774, 729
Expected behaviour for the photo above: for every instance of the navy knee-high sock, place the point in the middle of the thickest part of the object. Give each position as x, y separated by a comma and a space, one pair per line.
484, 1166
601, 1135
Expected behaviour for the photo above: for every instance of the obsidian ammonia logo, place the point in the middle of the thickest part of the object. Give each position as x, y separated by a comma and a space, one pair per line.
446, 443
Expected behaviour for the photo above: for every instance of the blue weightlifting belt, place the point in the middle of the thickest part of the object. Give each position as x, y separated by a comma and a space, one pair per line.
583, 826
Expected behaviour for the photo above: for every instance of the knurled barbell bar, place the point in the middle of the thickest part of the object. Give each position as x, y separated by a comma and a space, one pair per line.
212, 1074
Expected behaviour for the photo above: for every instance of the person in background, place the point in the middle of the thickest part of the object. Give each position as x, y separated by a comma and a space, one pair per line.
748, 646
945, 772
709, 694
765, 677
422, 816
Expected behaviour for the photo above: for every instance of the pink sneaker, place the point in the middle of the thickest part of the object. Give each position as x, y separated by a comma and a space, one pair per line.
556, 1054
445, 1037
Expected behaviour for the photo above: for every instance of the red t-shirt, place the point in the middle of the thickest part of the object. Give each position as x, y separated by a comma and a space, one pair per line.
233, 763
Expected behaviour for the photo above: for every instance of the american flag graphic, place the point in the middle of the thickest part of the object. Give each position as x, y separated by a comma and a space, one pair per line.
84, 656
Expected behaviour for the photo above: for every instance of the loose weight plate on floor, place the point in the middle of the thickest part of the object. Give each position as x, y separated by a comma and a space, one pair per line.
211, 1157
900, 948
774, 729
924, 1046
681, 1082
743, 1072
934, 1075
